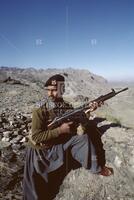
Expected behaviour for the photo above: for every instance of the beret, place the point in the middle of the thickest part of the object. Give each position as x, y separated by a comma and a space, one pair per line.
54, 79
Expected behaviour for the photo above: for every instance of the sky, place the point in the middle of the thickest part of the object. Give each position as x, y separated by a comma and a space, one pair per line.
97, 35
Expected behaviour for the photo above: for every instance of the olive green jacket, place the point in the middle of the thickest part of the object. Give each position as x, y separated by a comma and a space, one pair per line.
41, 117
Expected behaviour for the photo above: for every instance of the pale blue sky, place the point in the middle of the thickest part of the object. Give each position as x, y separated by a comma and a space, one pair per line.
93, 34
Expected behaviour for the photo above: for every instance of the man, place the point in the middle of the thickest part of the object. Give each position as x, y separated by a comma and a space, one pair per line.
46, 154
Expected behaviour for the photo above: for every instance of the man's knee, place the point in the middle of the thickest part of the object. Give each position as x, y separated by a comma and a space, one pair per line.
80, 149
80, 139
77, 140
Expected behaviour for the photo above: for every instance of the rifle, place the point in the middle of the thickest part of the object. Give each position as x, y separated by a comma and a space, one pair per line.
76, 114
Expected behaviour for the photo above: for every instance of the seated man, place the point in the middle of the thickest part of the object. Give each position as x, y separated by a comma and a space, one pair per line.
47, 147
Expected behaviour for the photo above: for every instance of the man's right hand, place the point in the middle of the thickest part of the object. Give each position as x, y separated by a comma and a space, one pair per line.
65, 128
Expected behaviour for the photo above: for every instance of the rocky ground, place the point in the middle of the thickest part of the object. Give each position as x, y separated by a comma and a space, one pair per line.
115, 120
80, 184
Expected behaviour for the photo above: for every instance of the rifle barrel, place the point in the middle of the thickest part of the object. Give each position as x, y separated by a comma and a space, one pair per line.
122, 90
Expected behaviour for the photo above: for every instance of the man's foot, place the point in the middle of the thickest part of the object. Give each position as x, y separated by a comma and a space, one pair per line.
106, 171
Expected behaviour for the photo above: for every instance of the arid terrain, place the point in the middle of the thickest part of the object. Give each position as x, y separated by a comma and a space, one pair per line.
21, 89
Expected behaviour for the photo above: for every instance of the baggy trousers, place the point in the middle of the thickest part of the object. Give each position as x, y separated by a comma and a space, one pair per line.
40, 163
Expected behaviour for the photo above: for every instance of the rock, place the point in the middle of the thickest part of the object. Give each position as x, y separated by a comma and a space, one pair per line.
7, 154
16, 139
16, 132
4, 144
117, 162
7, 134
5, 139
23, 140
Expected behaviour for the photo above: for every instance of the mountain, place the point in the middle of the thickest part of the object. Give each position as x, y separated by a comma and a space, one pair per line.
78, 81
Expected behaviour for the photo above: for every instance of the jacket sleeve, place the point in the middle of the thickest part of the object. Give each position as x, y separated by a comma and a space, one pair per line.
40, 133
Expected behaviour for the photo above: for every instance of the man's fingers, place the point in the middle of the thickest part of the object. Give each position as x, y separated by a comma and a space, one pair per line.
88, 110
100, 103
93, 105
69, 123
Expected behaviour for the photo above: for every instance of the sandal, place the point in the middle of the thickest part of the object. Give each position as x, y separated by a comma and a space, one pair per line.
106, 171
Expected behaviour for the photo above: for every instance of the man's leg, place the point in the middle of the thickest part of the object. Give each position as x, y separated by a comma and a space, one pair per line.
95, 137
80, 149
35, 186
84, 152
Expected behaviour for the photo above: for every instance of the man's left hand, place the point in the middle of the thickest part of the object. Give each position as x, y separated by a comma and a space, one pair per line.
93, 106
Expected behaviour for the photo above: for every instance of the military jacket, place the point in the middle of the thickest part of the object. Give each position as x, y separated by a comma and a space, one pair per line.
42, 115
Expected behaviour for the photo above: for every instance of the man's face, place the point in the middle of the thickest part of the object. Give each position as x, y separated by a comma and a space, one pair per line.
52, 92
55, 92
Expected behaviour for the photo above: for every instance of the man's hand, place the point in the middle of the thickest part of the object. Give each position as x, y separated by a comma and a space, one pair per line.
65, 128
93, 106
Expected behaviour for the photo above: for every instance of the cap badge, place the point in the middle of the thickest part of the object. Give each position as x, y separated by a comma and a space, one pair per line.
53, 82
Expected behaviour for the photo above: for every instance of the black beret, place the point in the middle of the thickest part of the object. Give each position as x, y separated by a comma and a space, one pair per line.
54, 79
